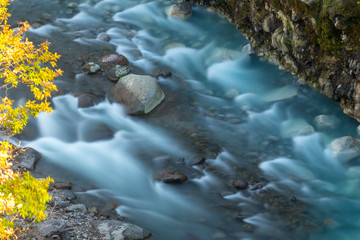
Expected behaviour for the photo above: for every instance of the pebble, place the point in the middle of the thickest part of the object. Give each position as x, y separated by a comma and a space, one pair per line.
77, 208
239, 184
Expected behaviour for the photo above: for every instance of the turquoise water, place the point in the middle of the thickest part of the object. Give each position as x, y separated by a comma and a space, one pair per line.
250, 120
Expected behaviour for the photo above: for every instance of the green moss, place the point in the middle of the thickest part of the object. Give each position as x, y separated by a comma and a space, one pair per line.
276, 4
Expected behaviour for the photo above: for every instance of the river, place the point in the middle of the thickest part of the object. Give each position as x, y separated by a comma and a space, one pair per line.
267, 170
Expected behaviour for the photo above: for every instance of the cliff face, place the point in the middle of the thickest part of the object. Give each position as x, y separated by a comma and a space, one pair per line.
319, 40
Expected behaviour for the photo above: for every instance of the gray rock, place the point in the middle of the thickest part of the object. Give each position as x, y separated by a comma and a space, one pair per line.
171, 176
90, 68
117, 72
77, 208
111, 60
118, 230
69, 195
62, 204
345, 148
49, 228
295, 127
248, 49
181, 10
139, 93
326, 122
28, 158
358, 130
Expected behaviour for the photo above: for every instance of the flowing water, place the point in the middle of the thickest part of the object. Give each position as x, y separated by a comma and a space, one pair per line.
252, 122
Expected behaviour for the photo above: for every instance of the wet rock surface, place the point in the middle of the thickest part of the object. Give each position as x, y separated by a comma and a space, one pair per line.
114, 229
139, 93
346, 148
171, 176
111, 60
69, 220
181, 10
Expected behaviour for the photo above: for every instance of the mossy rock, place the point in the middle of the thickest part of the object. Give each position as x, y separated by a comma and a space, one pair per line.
346, 8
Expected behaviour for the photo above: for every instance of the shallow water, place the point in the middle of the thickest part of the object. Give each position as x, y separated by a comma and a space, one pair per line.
251, 121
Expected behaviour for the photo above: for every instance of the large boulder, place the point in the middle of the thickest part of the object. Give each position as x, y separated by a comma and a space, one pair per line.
345, 148
117, 230
139, 93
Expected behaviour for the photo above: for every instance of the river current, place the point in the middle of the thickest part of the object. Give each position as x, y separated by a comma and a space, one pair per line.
267, 170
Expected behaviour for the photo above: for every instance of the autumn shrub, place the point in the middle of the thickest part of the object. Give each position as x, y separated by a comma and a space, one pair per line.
21, 63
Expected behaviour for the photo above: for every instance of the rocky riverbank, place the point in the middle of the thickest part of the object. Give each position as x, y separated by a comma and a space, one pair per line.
71, 216
317, 40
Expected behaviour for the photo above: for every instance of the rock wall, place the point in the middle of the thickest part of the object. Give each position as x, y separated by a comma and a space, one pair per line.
319, 40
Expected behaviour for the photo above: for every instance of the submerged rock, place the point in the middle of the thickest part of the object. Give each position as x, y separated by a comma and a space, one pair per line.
221, 55
326, 122
281, 94
118, 230
139, 93
181, 10
171, 176
345, 148
295, 127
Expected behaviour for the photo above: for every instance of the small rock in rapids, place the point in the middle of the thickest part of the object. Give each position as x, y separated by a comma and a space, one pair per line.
90, 68
115, 73
171, 176
181, 10
86, 100
345, 148
111, 60
239, 184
